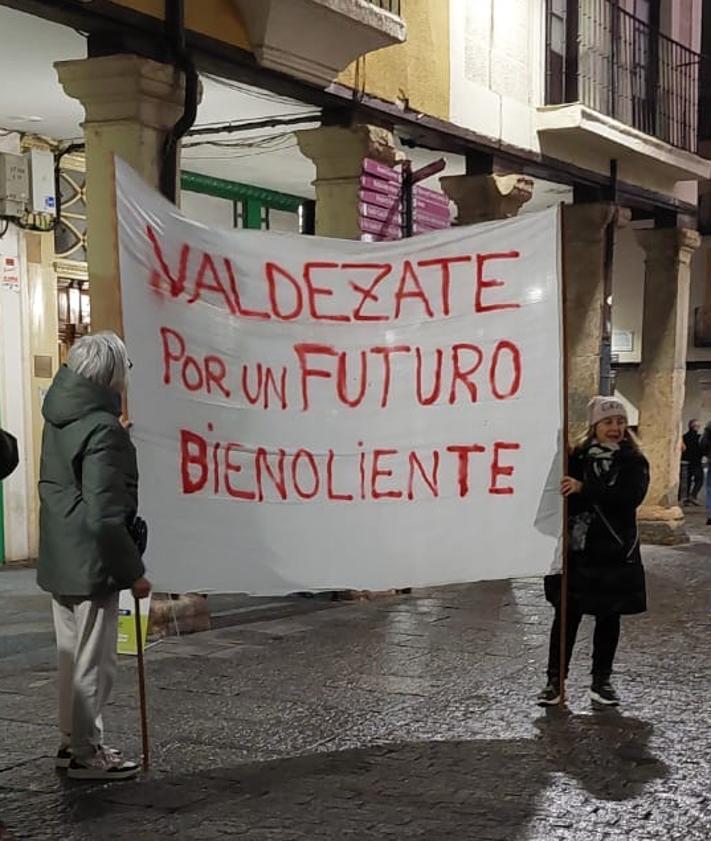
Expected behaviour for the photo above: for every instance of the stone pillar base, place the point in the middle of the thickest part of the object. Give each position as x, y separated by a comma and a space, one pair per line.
368, 595
662, 526
187, 614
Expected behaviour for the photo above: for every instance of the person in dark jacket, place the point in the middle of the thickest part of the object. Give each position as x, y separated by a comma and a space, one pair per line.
692, 458
705, 447
88, 504
608, 480
9, 457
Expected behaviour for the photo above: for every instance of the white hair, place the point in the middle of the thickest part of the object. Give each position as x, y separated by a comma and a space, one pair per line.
101, 358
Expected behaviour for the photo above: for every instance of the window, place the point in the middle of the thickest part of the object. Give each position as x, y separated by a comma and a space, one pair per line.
555, 59
642, 10
70, 235
686, 18
612, 56
74, 312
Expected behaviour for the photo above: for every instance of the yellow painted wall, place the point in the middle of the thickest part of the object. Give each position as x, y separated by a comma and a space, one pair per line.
215, 18
416, 71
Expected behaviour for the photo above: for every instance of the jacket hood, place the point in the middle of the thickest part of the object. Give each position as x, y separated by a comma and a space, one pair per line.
72, 397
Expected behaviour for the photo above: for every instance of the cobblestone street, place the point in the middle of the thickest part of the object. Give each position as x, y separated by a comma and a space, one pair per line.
402, 718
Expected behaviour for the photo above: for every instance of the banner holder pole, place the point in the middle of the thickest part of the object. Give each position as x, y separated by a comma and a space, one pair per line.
564, 578
141, 684
136, 605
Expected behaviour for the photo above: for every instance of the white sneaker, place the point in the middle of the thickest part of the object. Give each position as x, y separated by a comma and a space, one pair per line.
64, 756
105, 764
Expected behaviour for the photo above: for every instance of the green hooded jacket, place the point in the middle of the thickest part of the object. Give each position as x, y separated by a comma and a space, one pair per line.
88, 492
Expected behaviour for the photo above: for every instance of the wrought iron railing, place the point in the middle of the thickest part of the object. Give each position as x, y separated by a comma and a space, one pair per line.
389, 5
705, 98
621, 66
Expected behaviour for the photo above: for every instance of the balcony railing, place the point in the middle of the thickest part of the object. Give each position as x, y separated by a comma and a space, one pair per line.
621, 66
389, 5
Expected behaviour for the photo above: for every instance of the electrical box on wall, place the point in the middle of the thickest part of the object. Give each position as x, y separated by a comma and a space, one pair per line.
14, 184
43, 198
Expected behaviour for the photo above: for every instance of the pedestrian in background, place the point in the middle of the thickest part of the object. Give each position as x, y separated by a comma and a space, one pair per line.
607, 480
9, 457
88, 505
692, 458
705, 446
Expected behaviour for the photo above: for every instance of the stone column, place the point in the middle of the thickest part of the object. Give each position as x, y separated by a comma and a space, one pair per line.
662, 373
483, 198
130, 103
584, 274
338, 154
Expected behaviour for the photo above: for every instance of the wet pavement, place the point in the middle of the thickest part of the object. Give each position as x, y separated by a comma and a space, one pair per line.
403, 718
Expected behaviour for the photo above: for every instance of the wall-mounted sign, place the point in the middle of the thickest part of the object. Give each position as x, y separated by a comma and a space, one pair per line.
10, 274
622, 341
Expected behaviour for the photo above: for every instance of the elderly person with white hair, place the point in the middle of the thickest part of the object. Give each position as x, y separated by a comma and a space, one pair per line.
88, 504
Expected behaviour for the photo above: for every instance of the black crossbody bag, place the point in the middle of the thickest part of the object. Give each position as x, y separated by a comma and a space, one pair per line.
138, 530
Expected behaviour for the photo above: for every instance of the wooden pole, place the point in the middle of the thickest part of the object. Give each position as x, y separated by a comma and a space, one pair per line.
141, 684
117, 326
564, 543
564, 607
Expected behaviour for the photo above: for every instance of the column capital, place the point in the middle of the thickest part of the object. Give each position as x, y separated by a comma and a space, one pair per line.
124, 88
669, 244
482, 198
339, 152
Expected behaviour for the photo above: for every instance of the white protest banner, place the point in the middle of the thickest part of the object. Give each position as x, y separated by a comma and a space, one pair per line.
325, 414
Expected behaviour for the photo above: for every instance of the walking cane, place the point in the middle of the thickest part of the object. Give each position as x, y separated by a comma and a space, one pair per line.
141, 683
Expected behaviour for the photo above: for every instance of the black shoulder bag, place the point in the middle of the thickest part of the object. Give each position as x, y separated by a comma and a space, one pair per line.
138, 530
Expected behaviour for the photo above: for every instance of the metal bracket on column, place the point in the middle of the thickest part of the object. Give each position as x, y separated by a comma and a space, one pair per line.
411, 177
607, 375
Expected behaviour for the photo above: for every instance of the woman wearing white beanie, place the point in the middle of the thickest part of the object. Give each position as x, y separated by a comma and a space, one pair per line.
608, 479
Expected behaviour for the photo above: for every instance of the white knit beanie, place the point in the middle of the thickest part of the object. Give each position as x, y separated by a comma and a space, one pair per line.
600, 408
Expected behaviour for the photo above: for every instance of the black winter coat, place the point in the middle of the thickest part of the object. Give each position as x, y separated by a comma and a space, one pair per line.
606, 576
88, 492
693, 453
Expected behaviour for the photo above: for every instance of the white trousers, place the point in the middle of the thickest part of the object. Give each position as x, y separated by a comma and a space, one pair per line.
86, 633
